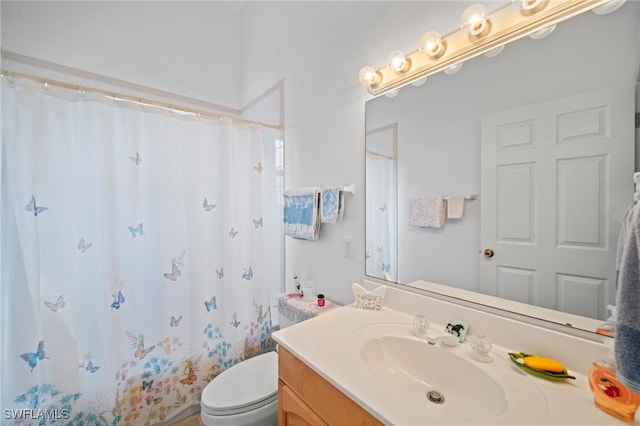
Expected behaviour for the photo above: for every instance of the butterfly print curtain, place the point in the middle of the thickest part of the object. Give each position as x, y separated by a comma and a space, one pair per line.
134, 256
381, 251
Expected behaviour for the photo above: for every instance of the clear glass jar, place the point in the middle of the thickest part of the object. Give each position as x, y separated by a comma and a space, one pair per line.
420, 325
309, 291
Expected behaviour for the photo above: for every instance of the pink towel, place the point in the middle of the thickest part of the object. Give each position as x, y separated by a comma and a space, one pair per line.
428, 212
455, 206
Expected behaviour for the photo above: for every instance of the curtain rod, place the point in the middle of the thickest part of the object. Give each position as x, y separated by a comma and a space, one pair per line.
388, 157
143, 101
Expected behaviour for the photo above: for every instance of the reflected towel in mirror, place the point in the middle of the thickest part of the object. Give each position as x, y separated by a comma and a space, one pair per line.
427, 211
301, 214
455, 206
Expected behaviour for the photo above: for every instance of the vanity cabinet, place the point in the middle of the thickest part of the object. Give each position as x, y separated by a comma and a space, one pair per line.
305, 398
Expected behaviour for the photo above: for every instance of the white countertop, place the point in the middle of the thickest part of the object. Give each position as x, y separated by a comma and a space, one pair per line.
326, 344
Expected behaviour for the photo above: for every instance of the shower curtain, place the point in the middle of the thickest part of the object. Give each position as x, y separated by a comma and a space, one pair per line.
135, 255
381, 227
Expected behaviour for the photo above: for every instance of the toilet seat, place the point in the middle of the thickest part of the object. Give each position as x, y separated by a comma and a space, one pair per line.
246, 386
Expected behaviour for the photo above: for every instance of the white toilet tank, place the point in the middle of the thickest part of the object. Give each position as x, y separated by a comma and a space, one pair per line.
284, 321
292, 310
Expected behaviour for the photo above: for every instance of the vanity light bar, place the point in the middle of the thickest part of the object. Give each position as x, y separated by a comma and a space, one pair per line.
490, 31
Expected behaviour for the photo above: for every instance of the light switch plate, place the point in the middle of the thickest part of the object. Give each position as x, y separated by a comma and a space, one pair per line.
348, 247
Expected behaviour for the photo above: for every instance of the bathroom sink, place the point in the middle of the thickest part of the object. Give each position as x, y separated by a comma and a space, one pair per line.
422, 370
443, 383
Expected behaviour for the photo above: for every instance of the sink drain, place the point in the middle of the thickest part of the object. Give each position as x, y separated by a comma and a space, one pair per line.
435, 397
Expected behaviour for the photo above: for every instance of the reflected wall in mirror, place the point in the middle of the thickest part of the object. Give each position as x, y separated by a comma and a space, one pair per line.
544, 134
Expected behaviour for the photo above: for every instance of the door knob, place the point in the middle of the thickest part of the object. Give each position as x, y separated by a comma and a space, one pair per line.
488, 252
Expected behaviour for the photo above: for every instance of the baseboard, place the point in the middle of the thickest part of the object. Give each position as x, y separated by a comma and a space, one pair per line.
189, 411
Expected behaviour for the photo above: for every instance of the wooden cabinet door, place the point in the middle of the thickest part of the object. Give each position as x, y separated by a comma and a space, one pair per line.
292, 411
308, 399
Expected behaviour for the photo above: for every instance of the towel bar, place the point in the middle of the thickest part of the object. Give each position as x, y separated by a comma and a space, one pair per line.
349, 188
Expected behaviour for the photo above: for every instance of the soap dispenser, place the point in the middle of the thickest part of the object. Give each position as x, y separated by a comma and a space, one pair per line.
609, 395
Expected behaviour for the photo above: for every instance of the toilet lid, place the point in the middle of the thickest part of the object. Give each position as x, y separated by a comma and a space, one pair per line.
245, 386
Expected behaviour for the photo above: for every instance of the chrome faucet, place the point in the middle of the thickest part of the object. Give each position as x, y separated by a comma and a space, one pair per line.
447, 340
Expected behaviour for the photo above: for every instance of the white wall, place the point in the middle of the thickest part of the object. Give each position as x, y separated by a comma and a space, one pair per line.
187, 48
318, 48
207, 51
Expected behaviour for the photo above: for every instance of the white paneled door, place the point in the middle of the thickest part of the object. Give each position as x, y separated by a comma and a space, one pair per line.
557, 179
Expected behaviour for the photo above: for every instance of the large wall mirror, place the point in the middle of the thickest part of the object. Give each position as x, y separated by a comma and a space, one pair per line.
541, 142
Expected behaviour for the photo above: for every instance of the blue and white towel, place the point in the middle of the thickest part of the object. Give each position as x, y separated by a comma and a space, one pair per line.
332, 205
628, 306
301, 214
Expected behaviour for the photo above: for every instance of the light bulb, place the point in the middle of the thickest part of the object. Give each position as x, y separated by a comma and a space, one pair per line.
451, 70
398, 62
494, 52
608, 7
542, 33
475, 17
419, 82
431, 44
369, 77
392, 93
529, 4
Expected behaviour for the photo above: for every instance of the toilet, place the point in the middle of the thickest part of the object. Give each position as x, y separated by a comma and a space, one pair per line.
247, 393
243, 395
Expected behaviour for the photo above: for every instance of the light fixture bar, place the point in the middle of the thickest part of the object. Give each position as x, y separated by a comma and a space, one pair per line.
507, 23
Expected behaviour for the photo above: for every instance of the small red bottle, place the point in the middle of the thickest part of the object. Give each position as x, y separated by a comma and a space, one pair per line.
321, 300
